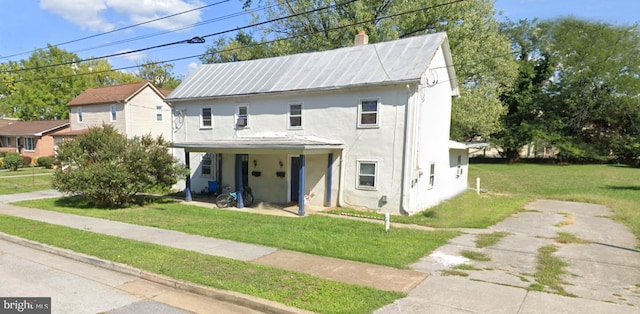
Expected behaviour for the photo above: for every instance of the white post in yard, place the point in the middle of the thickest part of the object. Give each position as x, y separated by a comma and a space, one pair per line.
478, 185
386, 222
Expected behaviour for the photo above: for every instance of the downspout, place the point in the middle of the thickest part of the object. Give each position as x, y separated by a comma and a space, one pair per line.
406, 172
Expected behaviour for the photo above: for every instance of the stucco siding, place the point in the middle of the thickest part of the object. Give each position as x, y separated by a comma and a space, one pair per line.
332, 115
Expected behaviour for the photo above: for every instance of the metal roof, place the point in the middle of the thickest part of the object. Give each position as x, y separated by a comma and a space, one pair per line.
403, 60
297, 143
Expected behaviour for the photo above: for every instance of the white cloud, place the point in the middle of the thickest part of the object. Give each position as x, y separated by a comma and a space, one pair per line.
137, 57
192, 67
86, 13
91, 14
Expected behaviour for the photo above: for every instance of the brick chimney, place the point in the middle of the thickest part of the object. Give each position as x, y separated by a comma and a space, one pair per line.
361, 38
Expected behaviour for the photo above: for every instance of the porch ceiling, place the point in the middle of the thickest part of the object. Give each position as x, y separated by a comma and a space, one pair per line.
264, 145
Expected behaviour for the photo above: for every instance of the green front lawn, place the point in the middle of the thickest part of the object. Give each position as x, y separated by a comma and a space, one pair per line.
315, 234
291, 288
25, 180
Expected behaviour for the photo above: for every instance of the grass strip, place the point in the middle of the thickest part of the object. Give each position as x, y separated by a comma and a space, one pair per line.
294, 289
565, 237
315, 234
476, 256
490, 239
549, 271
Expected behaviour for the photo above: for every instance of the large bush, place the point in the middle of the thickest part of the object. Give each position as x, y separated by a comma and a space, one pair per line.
109, 169
12, 161
45, 161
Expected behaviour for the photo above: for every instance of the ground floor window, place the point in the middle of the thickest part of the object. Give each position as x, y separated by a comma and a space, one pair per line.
29, 143
367, 175
206, 164
432, 174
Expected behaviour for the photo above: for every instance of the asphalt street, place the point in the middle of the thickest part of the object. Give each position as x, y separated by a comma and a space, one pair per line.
76, 287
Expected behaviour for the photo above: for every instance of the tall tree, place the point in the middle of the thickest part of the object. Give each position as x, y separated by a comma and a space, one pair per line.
481, 53
160, 75
522, 124
592, 106
39, 87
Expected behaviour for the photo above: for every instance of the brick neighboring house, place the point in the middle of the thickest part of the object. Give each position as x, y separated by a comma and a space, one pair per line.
31, 138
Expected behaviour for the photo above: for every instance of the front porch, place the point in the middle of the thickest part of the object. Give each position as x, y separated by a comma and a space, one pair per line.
283, 170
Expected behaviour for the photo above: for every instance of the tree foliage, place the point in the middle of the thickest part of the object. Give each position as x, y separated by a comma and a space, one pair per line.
109, 169
481, 53
160, 75
577, 90
39, 88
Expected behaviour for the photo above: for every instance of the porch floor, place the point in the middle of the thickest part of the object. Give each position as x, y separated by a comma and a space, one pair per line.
289, 209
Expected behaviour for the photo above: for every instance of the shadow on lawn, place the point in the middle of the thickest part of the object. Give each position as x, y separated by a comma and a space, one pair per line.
80, 202
623, 187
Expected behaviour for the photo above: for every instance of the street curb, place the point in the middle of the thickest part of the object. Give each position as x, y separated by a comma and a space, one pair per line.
237, 298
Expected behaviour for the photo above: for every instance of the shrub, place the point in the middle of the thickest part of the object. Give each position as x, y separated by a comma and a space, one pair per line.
45, 161
108, 169
26, 161
13, 161
2, 154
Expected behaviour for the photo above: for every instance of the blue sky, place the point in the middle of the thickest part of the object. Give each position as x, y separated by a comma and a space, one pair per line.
29, 24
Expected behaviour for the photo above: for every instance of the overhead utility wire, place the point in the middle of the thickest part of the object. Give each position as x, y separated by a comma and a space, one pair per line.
257, 44
194, 40
217, 19
122, 28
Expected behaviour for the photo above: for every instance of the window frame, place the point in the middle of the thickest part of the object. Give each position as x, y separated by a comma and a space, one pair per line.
432, 174
361, 112
202, 119
206, 156
359, 174
32, 141
291, 115
79, 114
237, 116
159, 113
8, 141
114, 113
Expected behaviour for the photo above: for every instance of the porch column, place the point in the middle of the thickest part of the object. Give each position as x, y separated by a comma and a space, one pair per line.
187, 189
219, 172
327, 199
301, 186
239, 183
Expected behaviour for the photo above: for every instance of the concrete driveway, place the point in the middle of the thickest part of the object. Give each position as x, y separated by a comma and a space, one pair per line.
602, 275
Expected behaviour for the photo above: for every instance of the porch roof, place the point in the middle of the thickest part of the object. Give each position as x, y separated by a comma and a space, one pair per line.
265, 145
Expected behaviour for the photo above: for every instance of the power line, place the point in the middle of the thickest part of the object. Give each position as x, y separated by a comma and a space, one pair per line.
120, 29
197, 39
254, 45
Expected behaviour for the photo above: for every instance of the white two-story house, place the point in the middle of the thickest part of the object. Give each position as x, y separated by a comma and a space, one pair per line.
134, 109
365, 126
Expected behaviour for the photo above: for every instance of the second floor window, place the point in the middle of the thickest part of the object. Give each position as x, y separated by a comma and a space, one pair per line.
113, 113
368, 113
79, 114
295, 115
242, 116
206, 121
158, 113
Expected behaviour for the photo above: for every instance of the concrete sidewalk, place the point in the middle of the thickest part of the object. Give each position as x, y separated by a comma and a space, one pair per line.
604, 275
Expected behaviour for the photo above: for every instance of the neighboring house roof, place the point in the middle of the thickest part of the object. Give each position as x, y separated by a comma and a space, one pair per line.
32, 128
5, 121
113, 94
71, 133
392, 62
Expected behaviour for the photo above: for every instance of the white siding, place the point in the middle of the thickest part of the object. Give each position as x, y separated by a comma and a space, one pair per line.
141, 115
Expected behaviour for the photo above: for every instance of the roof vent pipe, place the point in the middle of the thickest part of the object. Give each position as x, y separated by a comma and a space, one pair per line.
361, 38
